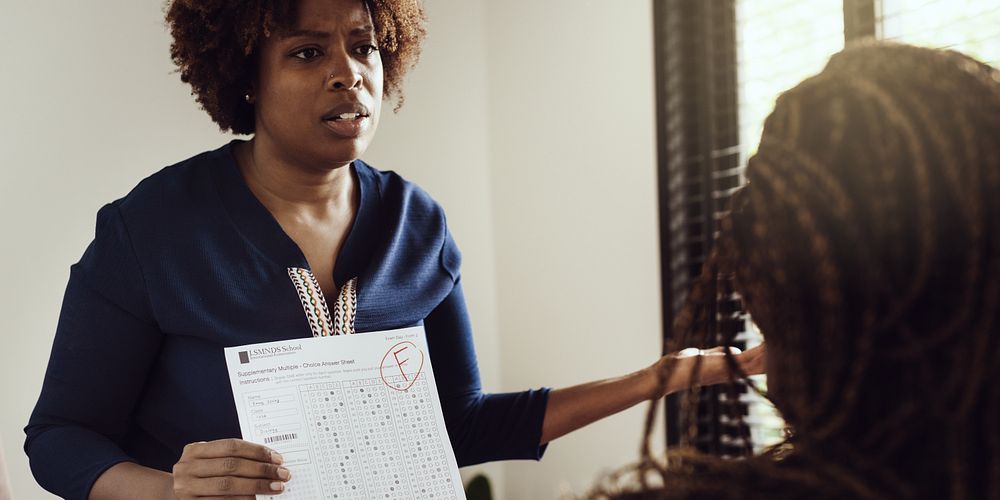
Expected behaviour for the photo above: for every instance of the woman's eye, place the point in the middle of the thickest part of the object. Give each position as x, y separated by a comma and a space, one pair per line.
306, 53
367, 49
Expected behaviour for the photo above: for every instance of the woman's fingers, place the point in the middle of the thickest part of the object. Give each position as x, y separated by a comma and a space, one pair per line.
228, 468
715, 351
713, 368
229, 486
233, 497
239, 467
754, 360
224, 448
720, 351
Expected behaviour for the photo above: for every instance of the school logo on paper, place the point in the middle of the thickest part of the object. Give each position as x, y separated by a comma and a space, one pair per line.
268, 352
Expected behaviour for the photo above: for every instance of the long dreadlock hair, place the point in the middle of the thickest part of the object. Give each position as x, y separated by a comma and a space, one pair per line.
866, 246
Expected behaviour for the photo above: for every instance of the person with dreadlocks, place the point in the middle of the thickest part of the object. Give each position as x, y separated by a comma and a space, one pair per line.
866, 246
227, 247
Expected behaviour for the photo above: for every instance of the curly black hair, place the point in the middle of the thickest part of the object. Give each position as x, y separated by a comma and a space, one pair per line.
215, 43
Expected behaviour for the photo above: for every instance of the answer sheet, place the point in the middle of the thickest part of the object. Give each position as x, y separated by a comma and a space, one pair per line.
354, 416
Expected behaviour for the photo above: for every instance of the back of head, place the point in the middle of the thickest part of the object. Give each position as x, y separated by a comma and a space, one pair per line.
867, 248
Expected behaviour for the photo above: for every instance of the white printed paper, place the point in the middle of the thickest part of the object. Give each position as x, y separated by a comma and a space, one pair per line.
354, 416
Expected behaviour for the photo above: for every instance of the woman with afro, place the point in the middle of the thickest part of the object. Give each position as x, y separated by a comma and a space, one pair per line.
223, 249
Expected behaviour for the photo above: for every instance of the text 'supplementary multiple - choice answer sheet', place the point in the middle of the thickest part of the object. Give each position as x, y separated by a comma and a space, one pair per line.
354, 416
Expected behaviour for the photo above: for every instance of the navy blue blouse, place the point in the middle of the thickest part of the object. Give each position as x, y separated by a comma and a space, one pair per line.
191, 262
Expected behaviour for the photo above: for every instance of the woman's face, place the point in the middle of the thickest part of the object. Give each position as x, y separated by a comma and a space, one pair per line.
319, 85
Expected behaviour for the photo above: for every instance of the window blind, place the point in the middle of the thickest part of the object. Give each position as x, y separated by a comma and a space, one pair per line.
698, 139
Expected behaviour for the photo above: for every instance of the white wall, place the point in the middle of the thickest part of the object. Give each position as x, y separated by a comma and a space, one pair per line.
531, 122
572, 151
89, 107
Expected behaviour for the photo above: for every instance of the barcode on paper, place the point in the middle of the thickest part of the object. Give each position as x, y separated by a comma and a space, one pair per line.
280, 437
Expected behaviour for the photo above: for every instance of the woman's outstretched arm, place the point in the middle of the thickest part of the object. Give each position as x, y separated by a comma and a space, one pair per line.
574, 407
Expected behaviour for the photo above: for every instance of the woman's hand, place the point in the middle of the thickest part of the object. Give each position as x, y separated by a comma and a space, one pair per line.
713, 369
228, 468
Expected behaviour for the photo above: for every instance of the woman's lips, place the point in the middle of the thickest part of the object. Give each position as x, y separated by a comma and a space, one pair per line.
349, 128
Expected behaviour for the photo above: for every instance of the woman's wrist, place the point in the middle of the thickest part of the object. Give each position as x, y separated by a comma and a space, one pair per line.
653, 387
128, 480
168, 488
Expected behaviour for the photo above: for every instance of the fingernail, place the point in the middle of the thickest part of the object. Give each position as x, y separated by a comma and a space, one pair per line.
276, 457
277, 486
283, 473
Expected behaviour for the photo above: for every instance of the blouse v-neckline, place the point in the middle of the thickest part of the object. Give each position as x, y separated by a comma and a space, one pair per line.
263, 232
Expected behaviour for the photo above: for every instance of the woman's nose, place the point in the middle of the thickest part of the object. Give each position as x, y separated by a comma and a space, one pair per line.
344, 75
